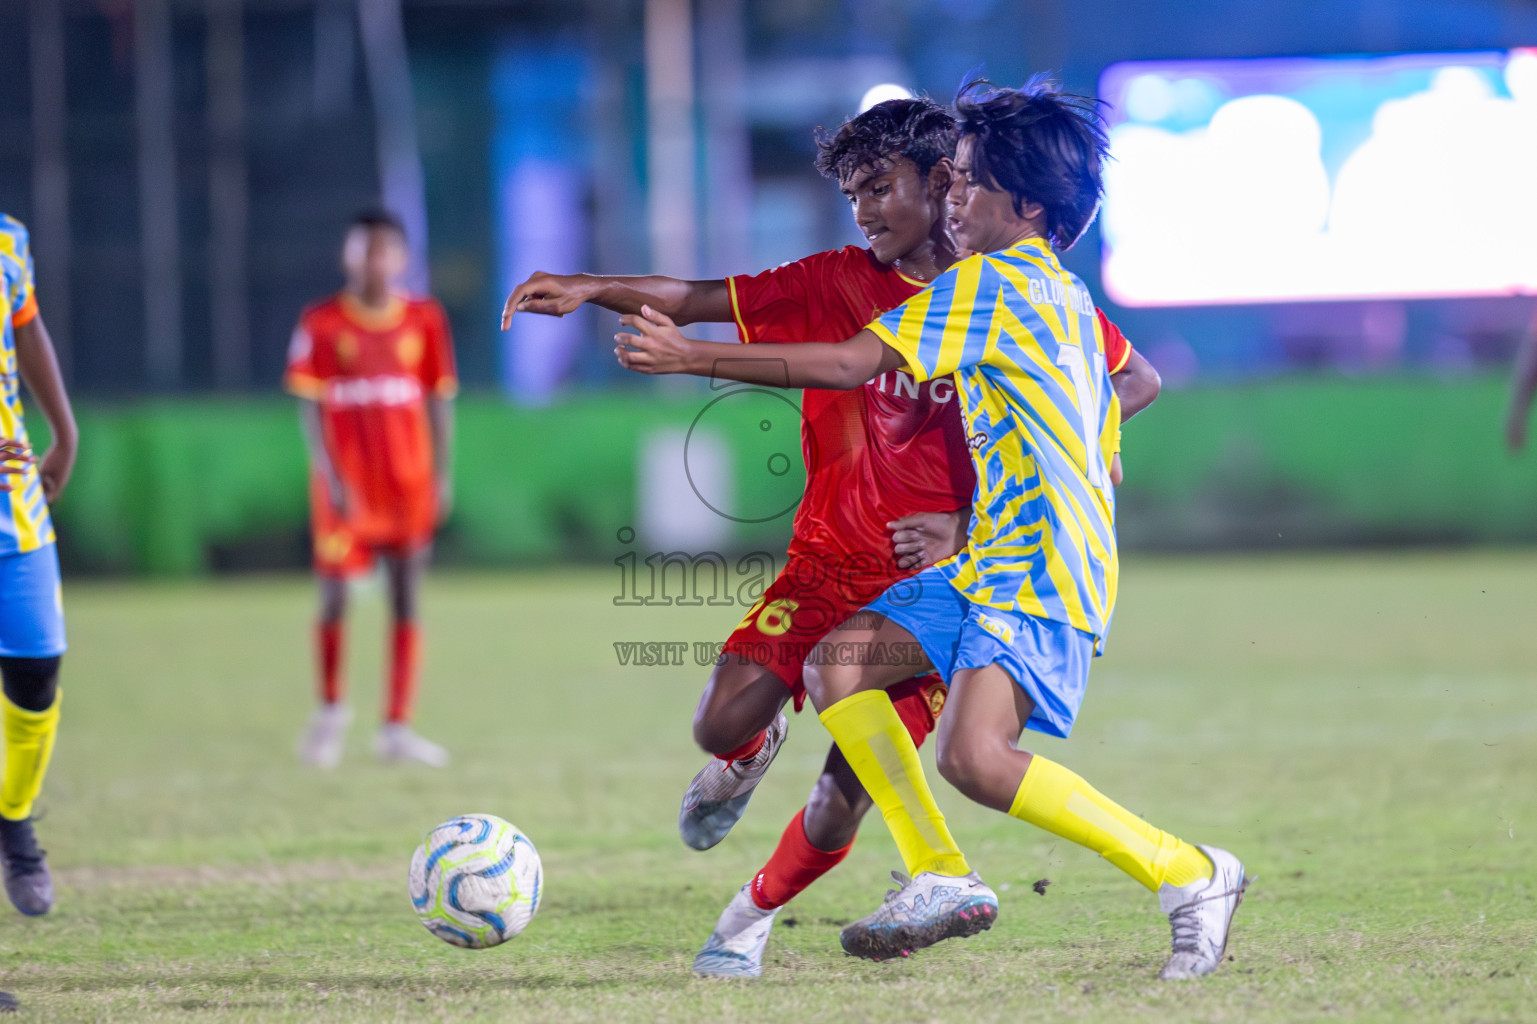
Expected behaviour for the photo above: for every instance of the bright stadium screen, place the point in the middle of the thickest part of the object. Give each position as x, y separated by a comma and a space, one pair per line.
1269, 180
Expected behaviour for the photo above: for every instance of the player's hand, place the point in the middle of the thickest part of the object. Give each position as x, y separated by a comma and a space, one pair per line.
57, 464
1515, 431
549, 294
15, 459
445, 499
922, 539
656, 347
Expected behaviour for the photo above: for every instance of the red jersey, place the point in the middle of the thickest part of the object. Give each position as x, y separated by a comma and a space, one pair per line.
1117, 348
886, 449
371, 371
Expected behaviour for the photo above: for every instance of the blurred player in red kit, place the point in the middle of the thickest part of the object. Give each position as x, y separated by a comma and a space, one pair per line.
373, 369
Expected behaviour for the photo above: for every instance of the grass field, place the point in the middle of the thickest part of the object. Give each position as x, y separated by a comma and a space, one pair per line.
1362, 730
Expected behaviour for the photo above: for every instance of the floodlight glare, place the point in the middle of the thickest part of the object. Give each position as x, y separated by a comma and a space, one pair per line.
881, 93
1296, 178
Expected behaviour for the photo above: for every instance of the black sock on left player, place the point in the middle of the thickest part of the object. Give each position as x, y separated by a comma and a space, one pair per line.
29, 717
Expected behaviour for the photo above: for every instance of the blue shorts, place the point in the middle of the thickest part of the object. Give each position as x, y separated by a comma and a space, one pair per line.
31, 605
1049, 660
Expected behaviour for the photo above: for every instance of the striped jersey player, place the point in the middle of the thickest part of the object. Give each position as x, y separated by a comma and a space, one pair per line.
1012, 622
31, 605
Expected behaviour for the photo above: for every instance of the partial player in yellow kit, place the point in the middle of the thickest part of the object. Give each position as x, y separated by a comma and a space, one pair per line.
31, 606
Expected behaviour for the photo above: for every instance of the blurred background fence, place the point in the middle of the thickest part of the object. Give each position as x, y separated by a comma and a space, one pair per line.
219, 484
187, 167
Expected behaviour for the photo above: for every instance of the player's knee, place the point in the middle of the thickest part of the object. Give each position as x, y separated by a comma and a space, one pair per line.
32, 684
830, 821
964, 762
710, 734
333, 599
403, 604
826, 685
720, 731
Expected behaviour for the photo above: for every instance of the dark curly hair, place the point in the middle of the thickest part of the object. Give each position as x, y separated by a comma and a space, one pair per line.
917, 128
1040, 145
375, 217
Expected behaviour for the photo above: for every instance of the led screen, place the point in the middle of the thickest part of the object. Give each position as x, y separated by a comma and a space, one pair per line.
1271, 180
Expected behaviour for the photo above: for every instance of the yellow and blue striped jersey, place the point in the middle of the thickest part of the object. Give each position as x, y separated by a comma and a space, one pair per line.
24, 522
1021, 336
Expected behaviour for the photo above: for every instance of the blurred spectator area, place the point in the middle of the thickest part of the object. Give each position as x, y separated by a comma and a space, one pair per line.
187, 166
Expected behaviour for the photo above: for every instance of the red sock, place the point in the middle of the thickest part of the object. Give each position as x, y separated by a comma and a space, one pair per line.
404, 651
794, 865
328, 639
747, 749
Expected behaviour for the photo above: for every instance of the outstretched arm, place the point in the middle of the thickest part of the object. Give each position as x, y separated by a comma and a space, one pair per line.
1136, 384
40, 370
685, 302
659, 347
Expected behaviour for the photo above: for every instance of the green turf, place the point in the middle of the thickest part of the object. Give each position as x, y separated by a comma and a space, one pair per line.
1362, 730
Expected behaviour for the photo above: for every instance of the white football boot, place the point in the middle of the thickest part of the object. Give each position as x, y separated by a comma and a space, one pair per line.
735, 949
716, 799
322, 743
925, 910
397, 741
1201, 914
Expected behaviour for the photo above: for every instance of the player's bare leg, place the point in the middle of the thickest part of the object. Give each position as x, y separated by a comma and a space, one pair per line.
838, 803
324, 740
396, 740
940, 897
976, 748
740, 720
1198, 887
739, 702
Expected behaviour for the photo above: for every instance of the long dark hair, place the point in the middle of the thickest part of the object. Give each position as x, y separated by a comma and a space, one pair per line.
1040, 145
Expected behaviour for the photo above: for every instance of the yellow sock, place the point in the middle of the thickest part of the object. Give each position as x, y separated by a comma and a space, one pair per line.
878, 747
1058, 801
28, 745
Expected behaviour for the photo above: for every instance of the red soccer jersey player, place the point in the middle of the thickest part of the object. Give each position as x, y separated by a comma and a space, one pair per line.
886, 455
889, 449
374, 370
873, 456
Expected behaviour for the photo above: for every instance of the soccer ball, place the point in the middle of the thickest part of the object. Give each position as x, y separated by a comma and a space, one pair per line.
476, 881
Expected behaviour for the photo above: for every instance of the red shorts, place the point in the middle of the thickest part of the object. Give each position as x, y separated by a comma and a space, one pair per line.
919, 701
340, 550
803, 604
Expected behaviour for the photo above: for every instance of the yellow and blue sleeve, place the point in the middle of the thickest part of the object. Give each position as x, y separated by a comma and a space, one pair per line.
943, 328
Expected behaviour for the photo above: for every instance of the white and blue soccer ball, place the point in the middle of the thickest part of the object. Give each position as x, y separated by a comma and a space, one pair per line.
476, 881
